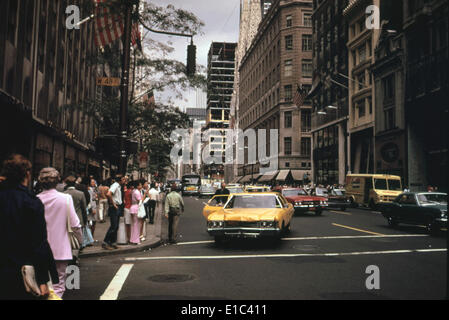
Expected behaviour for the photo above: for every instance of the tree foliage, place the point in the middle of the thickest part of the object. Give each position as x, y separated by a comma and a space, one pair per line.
152, 69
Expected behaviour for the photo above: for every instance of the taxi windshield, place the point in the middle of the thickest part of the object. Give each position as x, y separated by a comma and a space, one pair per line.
254, 202
235, 190
294, 193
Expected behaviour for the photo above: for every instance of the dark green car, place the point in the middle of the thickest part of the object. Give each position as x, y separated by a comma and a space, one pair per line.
417, 208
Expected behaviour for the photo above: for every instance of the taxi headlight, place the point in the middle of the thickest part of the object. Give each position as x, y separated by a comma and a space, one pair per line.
216, 224
267, 224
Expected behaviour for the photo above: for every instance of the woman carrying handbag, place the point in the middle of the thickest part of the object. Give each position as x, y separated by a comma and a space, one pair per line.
63, 224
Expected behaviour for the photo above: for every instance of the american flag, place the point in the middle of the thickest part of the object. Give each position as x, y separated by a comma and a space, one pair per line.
110, 27
300, 96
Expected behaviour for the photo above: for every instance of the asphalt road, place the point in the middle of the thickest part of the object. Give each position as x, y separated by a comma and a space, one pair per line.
323, 257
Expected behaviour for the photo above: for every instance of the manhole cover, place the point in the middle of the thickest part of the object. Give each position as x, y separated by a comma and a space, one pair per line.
172, 278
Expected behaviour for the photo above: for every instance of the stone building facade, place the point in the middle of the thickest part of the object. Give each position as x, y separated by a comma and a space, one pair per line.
277, 62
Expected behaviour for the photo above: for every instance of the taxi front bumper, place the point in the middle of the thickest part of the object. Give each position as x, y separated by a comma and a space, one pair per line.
241, 232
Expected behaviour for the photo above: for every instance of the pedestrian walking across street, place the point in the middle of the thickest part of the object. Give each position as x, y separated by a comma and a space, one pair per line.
115, 208
174, 206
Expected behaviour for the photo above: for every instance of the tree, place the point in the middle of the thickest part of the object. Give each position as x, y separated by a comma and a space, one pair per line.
151, 70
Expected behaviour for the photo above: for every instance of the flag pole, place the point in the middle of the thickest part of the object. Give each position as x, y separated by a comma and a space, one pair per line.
123, 133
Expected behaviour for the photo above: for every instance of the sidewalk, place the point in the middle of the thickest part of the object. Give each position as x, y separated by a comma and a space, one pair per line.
153, 238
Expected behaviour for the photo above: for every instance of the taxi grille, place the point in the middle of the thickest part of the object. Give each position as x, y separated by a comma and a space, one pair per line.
241, 224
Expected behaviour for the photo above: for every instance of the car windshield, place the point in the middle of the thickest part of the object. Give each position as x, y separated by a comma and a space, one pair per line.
320, 191
235, 190
380, 184
254, 202
394, 185
338, 192
432, 198
294, 193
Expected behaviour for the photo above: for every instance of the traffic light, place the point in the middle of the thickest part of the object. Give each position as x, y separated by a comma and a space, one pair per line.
191, 60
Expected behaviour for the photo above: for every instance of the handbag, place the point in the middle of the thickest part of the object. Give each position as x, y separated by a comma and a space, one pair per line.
141, 213
31, 286
88, 239
75, 243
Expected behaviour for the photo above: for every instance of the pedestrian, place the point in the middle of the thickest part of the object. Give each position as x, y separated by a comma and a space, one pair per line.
154, 197
78, 198
114, 211
23, 233
145, 197
136, 202
126, 211
174, 206
92, 217
59, 209
222, 191
103, 190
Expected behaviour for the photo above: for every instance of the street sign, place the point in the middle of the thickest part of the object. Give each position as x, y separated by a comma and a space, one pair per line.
108, 82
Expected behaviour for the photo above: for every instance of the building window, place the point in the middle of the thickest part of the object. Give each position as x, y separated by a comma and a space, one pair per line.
287, 119
289, 42
289, 21
288, 69
288, 93
306, 120
287, 164
307, 42
388, 88
360, 105
361, 81
362, 53
307, 19
288, 146
306, 147
307, 68
390, 121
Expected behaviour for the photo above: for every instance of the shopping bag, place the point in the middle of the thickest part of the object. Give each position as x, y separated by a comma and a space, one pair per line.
121, 233
88, 239
141, 213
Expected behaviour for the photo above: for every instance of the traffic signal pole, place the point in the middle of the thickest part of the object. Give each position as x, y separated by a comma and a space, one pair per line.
124, 96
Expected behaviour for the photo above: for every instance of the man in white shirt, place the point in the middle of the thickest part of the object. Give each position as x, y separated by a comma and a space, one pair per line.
154, 197
115, 206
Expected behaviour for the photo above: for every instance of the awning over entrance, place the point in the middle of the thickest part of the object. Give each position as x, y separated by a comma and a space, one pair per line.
246, 179
298, 175
282, 176
267, 177
236, 179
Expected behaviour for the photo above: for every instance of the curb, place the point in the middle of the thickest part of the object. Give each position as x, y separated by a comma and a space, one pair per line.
140, 248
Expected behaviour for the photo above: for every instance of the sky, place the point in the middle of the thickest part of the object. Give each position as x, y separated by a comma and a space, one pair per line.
221, 19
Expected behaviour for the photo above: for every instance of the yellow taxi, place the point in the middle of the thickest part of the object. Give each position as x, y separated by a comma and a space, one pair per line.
248, 215
257, 189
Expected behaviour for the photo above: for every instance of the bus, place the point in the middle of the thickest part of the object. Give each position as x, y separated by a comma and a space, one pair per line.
372, 189
191, 184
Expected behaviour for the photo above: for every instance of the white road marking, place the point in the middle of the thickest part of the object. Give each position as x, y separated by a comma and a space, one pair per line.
321, 238
294, 255
117, 282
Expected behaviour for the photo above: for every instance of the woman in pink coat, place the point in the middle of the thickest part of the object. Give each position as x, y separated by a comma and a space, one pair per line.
136, 200
58, 208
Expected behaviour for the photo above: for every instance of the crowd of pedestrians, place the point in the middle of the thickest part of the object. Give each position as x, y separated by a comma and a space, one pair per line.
39, 224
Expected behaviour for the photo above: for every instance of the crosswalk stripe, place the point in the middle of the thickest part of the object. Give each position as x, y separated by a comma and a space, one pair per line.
113, 290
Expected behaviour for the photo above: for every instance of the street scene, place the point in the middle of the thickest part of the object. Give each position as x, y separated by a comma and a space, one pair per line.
241, 150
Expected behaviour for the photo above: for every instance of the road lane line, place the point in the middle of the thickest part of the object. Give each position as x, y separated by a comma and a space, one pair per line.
340, 212
293, 255
355, 229
113, 290
322, 238
357, 237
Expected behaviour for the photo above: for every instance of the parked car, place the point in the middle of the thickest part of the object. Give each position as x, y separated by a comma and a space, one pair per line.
303, 202
418, 208
206, 191
248, 215
235, 189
